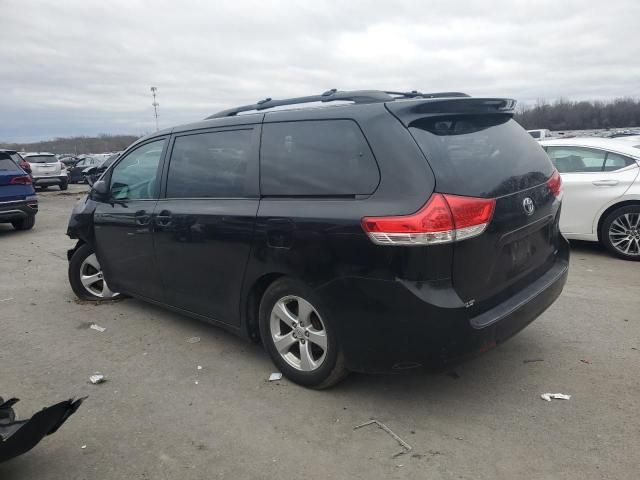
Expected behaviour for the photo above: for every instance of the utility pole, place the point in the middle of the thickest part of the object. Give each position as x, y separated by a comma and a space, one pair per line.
155, 105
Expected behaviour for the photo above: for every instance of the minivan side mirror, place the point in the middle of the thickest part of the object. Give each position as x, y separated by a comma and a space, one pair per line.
100, 190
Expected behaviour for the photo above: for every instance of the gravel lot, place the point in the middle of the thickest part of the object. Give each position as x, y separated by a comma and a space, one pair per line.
159, 417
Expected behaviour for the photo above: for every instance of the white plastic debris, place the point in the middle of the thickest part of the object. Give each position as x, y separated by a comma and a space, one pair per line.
199, 367
83, 447
97, 327
96, 378
196, 382
557, 396
6, 299
275, 377
193, 340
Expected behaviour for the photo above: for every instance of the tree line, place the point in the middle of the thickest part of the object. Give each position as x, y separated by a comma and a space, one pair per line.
583, 115
559, 115
77, 145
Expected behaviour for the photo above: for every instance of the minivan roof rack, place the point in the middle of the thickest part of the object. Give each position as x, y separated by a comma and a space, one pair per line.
333, 95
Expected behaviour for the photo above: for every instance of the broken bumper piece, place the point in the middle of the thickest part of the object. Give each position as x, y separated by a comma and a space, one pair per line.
20, 436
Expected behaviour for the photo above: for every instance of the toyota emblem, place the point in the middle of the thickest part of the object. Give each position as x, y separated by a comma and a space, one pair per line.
528, 206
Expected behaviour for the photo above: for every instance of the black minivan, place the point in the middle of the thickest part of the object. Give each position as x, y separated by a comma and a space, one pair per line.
380, 232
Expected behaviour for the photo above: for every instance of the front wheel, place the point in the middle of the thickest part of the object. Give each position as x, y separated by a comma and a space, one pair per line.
300, 336
620, 232
86, 278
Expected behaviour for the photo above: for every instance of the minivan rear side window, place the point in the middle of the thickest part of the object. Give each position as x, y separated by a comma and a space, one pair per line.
211, 164
316, 158
481, 155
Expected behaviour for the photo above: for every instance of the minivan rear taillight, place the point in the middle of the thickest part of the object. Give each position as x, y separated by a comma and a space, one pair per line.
443, 219
22, 180
555, 183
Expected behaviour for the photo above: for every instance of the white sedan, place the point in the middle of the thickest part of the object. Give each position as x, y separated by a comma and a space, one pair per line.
601, 191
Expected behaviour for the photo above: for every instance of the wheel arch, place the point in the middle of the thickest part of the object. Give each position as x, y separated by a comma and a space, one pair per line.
254, 297
610, 209
71, 251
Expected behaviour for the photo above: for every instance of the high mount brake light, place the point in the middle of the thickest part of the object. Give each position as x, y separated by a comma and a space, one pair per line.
443, 219
555, 183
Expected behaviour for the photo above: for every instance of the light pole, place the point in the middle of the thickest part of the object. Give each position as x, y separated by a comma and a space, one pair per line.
155, 105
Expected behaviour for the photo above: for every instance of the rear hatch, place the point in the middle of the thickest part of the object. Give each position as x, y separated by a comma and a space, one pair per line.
44, 165
478, 150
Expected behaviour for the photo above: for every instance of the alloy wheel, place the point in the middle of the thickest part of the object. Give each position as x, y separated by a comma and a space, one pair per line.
92, 279
298, 333
624, 234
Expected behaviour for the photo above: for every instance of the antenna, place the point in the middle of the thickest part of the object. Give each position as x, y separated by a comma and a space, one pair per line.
155, 105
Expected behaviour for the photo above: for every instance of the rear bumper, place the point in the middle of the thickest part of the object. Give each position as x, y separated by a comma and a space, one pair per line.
57, 180
10, 211
387, 326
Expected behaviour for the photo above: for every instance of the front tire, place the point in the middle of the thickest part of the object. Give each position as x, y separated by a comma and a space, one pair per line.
24, 223
299, 334
620, 232
86, 278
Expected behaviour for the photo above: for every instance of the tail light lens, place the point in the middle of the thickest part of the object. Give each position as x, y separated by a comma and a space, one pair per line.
443, 219
555, 184
22, 180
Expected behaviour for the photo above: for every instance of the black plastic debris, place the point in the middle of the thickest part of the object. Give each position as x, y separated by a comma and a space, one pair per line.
20, 436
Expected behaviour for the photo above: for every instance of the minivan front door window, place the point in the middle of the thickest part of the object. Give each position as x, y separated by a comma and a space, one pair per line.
134, 178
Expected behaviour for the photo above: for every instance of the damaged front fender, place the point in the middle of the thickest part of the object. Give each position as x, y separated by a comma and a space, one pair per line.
81, 220
20, 436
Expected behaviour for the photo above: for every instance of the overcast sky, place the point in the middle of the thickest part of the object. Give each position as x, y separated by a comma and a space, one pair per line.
82, 67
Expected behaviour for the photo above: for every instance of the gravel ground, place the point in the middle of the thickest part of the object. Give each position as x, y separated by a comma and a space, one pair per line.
159, 417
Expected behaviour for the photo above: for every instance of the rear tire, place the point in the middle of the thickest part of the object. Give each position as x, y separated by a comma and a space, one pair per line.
620, 232
64, 185
306, 328
85, 276
24, 223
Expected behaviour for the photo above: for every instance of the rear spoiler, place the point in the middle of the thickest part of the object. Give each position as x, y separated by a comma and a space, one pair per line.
407, 111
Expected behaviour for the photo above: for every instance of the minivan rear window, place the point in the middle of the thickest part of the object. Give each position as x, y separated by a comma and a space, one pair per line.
481, 155
316, 158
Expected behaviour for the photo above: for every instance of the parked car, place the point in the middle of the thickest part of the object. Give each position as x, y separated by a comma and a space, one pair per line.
17, 158
69, 161
391, 232
92, 173
75, 174
602, 192
540, 134
18, 201
47, 170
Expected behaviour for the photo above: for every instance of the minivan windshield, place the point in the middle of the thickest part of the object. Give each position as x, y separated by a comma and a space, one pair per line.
481, 155
41, 159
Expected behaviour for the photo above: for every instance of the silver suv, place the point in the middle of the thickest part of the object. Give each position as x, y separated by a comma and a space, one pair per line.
47, 170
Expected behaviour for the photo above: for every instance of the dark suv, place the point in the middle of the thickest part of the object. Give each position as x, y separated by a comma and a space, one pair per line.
389, 231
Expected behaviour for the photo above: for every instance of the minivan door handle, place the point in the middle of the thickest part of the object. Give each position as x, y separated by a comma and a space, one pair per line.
605, 183
142, 218
164, 218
